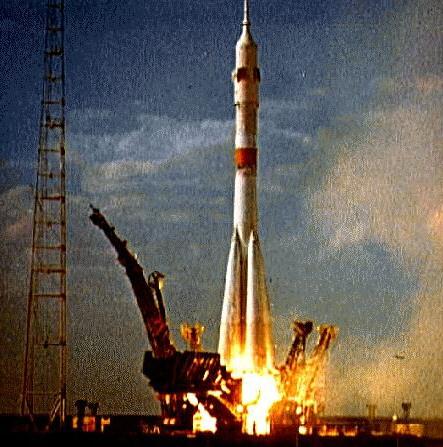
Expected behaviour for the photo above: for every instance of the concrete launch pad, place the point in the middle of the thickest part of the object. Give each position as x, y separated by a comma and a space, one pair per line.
136, 440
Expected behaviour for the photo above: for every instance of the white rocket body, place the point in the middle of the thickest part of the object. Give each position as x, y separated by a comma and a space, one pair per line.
245, 342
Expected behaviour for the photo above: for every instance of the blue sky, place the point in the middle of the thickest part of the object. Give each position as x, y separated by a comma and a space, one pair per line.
350, 192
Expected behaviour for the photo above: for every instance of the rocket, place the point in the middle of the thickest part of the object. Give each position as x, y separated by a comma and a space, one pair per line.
245, 343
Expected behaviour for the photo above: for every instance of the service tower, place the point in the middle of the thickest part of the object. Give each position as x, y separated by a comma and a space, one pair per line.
245, 343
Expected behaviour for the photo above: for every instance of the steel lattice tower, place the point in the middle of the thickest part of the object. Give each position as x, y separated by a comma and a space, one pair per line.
44, 381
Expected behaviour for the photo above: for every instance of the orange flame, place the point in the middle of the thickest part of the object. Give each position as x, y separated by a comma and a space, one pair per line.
259, 393
202, 421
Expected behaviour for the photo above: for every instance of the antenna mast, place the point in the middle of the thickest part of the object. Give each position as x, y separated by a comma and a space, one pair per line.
44, 378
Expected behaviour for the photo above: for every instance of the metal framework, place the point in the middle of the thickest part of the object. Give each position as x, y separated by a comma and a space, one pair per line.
44, 378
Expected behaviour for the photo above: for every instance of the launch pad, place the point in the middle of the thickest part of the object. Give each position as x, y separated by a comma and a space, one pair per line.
240, 388
197, 393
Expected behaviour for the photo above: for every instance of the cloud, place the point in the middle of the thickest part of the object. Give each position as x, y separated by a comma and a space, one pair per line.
428, 85
127, 160
415, 87
386, 187
385, 184
15, 215
19, 229
147, 137
435, 224
176, 216
275, 107
110, 176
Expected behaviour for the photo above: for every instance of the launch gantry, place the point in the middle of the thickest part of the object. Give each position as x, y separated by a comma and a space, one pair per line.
182, 380
44, 378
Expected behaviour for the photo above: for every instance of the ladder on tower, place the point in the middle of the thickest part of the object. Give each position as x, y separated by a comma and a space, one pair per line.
44, 377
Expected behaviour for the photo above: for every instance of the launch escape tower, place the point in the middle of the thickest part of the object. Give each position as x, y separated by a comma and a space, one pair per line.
245, 341
44, 378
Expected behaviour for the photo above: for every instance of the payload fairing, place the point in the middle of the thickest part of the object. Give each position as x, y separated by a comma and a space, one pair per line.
245, 343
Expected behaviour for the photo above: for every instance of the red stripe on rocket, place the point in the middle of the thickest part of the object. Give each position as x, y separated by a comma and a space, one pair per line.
245, 342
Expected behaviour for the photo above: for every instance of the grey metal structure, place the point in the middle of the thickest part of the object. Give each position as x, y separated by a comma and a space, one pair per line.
44, 378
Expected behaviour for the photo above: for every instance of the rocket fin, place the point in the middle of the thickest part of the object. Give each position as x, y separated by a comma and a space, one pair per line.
232, 332
259, 345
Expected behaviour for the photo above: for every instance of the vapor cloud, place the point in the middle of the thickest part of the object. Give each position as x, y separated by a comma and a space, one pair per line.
386, 187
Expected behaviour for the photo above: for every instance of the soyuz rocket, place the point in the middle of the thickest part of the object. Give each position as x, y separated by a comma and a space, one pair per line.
245, 343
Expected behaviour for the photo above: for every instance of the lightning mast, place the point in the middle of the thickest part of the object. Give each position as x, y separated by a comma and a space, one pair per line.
44, 378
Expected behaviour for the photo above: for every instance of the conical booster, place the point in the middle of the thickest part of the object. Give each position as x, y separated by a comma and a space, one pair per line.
245, 342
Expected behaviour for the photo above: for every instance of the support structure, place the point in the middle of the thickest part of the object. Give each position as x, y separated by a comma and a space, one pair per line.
44, 379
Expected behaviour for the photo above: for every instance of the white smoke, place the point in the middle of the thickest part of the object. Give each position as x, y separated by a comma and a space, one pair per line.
386, 187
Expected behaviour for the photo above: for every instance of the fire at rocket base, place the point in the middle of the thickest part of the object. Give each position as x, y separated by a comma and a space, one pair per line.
245, 343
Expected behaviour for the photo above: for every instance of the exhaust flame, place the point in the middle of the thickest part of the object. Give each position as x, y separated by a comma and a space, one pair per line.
202, 421
259, 394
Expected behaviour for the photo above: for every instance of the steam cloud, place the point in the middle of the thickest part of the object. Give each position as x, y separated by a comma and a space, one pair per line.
386, 187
